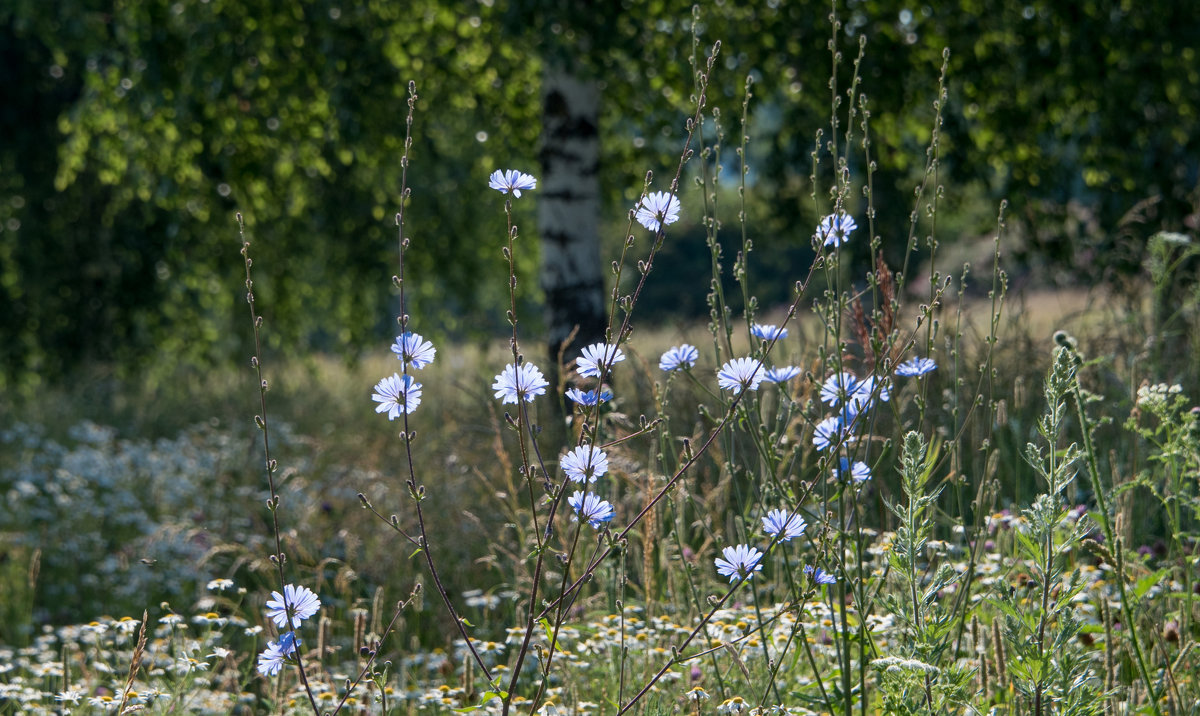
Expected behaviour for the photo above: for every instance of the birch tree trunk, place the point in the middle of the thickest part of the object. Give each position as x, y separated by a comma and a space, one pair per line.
569, 212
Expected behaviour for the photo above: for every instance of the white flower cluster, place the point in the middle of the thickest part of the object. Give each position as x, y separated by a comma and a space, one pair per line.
1156, 395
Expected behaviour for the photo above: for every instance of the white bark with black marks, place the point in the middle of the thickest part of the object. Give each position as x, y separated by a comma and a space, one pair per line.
569, 211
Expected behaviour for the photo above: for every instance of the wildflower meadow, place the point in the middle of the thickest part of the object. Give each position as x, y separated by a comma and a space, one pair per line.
898, 491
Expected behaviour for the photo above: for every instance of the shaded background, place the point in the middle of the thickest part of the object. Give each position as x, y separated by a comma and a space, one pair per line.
133, 131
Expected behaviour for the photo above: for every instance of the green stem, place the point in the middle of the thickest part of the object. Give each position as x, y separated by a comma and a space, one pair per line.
1106, 524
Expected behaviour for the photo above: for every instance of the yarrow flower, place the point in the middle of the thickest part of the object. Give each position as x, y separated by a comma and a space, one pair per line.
916, 366
584, 464
270, 662
511, 180
835, 229
657, 209
740, 561
819, 576
858, 472
412, 348
589, 397
781, 375
591, 508
1156, 396
298, 602
682, 356
397, 394
783, 523
597, 359
517, 382
768, 332
741, 373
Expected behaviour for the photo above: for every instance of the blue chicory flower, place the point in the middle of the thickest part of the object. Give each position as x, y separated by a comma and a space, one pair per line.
785, 524
412, 348
589, 397
591, 508
835, 229
741, 373
597, 359
511, 180
520, 382
397, 394
584, 464
916, 366
740, 561
657, 209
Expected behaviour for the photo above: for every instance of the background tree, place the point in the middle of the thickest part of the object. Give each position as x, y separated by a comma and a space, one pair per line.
159, 120
137, 129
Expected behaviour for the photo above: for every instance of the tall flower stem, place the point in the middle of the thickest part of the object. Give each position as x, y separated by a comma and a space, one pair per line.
416, 489
270, 464
558, 618
531, 620
1090, 460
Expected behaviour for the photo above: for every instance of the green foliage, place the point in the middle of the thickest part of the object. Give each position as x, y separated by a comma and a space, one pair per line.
19, 566
1045, 665
920, 677
1169, 428
181, 114
138, 128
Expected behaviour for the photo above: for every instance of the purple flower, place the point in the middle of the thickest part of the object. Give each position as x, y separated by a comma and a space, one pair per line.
657, 209
298, 603
397, 394
838, 387
270, 662
867, 390
598, 359
412, 348
591, 508
741, 373
819, 576
835, 229
768, 332
785, 524
511, 180
858, 472
739, 561
916, 366
589, 397
520, 382
782, 375
683, 356
584, 464
829, 432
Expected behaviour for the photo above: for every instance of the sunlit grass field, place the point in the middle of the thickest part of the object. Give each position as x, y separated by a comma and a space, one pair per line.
147, 498
889, 494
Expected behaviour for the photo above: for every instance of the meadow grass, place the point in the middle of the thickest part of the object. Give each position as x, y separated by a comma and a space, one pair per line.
1012, 531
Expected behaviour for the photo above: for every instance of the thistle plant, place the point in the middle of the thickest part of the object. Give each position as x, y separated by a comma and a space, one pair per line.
1044, 664
924, 677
